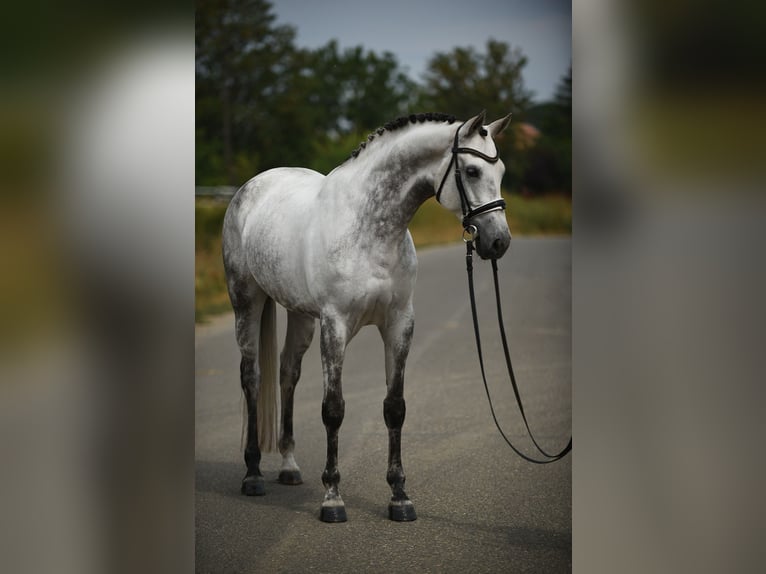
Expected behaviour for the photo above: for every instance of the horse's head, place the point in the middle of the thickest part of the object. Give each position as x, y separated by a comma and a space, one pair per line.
469, 185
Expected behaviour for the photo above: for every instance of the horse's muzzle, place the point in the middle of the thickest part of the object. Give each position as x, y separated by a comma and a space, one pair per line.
492, 240
496, 249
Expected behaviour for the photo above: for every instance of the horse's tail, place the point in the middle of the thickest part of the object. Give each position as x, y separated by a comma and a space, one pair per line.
268, 394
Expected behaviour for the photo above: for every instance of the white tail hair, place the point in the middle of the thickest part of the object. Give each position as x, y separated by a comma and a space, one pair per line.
268, 394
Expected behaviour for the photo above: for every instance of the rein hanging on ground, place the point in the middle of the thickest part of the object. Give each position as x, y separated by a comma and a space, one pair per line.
469, 268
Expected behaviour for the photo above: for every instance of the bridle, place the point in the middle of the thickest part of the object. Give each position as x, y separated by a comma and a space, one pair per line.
465, 204
469, 234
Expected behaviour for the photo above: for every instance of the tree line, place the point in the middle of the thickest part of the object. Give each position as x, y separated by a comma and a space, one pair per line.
263, 102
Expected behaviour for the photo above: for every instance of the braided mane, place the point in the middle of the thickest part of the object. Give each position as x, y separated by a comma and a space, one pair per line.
400, 123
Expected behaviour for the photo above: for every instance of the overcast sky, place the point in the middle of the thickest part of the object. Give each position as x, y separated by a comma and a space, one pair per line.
414, 30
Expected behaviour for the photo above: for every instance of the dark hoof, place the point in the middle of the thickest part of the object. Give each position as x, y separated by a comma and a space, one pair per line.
401, 511
333, 514
291, 477
253, 486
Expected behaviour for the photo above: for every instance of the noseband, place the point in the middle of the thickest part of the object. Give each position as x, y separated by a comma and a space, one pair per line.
465, 205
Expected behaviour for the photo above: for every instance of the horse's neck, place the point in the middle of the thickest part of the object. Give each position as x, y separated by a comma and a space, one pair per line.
397, 175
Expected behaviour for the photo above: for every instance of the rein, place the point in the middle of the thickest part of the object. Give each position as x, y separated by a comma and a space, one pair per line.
469, 267
469, 213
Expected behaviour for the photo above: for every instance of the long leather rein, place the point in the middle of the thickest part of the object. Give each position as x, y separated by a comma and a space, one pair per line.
468, 214
469, 267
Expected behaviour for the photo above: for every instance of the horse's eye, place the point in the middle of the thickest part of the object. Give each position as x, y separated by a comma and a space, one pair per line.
472, 171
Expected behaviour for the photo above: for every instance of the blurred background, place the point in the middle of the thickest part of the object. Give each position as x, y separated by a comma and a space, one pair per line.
96, 287
98, 154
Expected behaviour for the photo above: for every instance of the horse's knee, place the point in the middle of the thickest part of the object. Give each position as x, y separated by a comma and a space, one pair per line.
333, 410
394, 411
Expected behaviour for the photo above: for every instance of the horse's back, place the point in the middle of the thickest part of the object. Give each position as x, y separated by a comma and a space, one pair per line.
287, 184
265, 220
270, 196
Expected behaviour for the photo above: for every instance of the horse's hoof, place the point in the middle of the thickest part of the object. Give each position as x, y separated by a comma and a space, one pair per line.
401, 511
253, 486
334, 513
291, 477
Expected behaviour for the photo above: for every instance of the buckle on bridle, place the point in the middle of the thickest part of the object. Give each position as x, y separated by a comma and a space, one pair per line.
472, 231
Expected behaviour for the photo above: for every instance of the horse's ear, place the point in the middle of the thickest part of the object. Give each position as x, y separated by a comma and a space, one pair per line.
475, 122
499, 125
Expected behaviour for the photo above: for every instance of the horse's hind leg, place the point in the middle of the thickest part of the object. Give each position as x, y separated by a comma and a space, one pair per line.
248, 302
300, 331
397, 335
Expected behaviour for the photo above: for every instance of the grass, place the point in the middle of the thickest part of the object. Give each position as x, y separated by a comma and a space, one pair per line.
210, 296
432, 225
549, 215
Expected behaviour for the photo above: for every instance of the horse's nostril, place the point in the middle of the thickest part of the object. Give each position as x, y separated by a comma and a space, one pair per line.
499, 246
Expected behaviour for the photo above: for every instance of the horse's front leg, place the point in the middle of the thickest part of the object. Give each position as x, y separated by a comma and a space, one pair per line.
333, 340
397, 336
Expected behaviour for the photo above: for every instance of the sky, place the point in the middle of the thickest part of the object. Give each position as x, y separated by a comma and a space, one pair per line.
415, 30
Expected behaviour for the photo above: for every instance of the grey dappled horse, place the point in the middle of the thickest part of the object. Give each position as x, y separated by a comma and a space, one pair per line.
337, 248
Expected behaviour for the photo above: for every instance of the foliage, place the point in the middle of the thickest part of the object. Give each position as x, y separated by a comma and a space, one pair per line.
210, 294
262, 102
241, 57
549, 215
464, 82
330, 152
548, 164
545, 215
357, 90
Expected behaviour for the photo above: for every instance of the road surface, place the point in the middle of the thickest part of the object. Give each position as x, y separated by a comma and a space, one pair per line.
480, 507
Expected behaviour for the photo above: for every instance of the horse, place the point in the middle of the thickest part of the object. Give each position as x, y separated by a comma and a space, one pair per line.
336, 248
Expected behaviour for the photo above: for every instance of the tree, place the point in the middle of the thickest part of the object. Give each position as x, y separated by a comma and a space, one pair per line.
262, 102
463, 82
548, 165
563, 96
240, 56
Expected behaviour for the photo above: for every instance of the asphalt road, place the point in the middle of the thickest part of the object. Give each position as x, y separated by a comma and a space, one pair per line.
480, 507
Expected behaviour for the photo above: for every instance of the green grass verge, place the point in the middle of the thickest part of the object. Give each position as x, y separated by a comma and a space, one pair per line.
432, 225
210, 296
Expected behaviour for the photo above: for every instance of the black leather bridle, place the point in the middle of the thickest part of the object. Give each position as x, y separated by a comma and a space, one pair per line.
469, 234
465, 204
